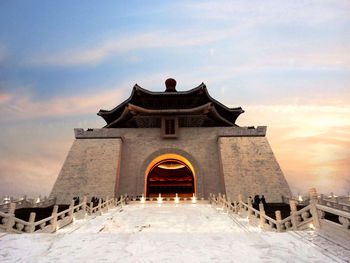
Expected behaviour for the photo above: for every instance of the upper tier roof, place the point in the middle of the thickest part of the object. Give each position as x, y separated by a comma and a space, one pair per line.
194, 108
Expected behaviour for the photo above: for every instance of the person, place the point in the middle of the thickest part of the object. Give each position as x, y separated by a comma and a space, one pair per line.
76, 200
96, 201
256, 202
263, 201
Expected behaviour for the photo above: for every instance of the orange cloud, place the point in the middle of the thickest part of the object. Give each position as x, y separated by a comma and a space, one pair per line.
20, 107
311, 143
34, 172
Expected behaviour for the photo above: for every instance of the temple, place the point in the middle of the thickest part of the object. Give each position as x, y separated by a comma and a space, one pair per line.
171, 142
193, 108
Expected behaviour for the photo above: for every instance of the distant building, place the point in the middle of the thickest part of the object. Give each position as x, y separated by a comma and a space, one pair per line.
171, 142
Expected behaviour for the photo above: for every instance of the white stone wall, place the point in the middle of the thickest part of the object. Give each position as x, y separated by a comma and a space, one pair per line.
91, 168
250, 167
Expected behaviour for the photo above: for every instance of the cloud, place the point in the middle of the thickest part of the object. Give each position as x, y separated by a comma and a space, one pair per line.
311, 143
21, 106
5, 98
270, 12
99, 52
32, 172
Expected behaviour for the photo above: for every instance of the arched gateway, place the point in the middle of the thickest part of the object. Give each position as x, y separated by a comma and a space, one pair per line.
170, 174
150, 140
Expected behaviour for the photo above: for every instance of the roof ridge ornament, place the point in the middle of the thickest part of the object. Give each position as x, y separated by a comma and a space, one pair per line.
170, 85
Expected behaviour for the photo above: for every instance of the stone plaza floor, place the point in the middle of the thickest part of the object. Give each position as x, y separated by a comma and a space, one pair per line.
170, 232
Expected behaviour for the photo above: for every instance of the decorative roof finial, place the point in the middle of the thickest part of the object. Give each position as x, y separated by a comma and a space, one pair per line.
170, 85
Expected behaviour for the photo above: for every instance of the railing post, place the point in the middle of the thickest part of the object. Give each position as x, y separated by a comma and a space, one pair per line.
99, 207
313, 208
235, 207
262, 213
293, 210
91, 207
240, 200
83, 207
223, 202
229, 205
107, 205
11, 219
54, 218
31, 227
278, 219
121, 200
71, 210
250, 211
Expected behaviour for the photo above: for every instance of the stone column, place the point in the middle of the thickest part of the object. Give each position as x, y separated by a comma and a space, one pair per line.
99, 207
11, 219
53, 221
30, 228
313, 207
262, 213
278, 219
107, 204
83, 207
250, 206
71, 211
229, 205
91, 207
240, 200
293, 210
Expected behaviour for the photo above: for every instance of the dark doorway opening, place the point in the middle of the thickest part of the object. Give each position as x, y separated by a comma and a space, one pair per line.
170, 177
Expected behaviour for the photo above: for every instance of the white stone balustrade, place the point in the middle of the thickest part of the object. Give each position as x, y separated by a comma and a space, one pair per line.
309, 217
9, 223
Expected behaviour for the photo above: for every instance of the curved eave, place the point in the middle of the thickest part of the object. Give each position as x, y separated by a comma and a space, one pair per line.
108, 115
196, 110
137, 88
131, 109
237, 110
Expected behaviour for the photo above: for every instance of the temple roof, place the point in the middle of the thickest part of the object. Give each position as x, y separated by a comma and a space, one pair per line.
194, 108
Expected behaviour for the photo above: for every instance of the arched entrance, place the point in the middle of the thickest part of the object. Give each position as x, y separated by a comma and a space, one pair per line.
169, 174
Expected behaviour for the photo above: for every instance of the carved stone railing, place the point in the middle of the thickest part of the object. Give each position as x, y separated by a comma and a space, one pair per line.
340, 228
333, 202
9, 223
265, 222
25, 203
330, 201
309, 217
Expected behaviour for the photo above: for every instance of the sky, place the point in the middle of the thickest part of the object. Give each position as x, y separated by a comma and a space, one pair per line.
286, 63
